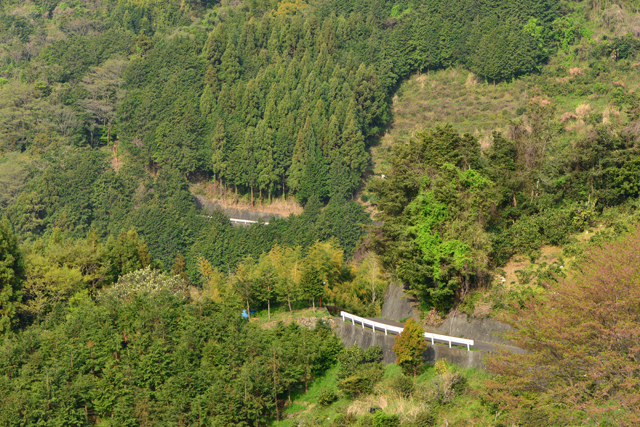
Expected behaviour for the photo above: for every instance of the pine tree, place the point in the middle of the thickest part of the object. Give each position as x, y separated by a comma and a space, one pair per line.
225, 101
334, 139
311, 285
215, 44
273, 45
314, 172
339, 184
211, 79
271, 114
317, 118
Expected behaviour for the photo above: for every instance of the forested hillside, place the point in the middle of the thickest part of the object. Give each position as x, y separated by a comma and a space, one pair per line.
111, 109
120, 303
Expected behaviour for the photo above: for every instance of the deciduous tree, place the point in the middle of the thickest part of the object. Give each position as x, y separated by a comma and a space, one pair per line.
581, 343
409, 348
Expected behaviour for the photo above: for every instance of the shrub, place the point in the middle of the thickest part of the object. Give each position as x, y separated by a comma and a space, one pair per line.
343, 420
142, 282
402, 385
410, 345
424, 419
327, 397
359, 370
450, 385
362, 381
380, 419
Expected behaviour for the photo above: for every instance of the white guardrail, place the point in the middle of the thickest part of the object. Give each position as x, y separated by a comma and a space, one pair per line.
241, 221
388, 328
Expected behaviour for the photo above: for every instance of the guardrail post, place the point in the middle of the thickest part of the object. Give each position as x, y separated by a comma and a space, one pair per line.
468, 347
449, 343
432, 343
385, 331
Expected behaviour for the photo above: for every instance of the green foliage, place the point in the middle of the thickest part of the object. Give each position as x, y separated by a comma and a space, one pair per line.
424, 419
12, 273
380, 419
127, 254
409, 348
359, 370
327, 397
403, 385
143, 282
434, 214
155, 349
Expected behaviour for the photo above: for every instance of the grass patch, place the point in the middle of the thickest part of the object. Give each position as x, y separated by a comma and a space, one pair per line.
456, 408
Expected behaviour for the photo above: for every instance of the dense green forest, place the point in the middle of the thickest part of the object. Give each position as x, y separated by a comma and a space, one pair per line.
120, 303
110, 110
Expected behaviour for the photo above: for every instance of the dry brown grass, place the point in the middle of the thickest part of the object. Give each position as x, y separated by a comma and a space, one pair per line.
225, 198
582, 110
389, 401
612, 115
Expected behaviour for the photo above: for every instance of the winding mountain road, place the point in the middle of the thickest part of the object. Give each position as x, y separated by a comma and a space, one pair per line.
478, 345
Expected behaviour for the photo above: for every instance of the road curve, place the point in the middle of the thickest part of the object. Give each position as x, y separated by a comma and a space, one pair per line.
478, 345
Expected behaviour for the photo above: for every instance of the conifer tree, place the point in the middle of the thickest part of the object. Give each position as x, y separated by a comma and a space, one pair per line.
180, 268
225, 101
311, 285
334, 139
230, 69
298, 161
251, 104
218, 159
215, 44
211, 79
271, 114
314, 172
207, 102
12, 274
353, 151
249, 163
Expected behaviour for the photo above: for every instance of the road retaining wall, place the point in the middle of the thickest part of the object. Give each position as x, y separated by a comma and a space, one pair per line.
364, 338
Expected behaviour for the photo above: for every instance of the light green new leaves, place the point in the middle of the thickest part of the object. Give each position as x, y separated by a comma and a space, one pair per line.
448, 218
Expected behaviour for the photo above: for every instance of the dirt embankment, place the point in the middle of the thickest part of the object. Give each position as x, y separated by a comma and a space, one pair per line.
210, 198
399, 306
